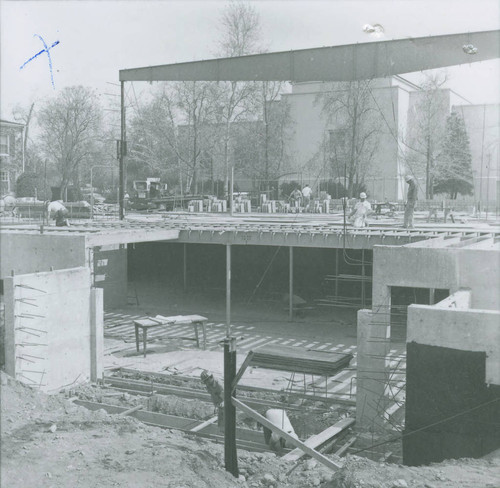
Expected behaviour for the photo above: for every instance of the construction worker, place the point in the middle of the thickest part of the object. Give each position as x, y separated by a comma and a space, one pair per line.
280, 419
295, 198
213, 387
306, 194
360, 211
411, 200
58, 212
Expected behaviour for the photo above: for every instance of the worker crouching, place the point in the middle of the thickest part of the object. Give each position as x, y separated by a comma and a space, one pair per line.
279, 418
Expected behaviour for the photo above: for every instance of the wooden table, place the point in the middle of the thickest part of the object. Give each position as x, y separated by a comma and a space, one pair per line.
160, 320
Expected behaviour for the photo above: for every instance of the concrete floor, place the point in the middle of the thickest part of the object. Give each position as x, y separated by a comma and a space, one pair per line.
265, 317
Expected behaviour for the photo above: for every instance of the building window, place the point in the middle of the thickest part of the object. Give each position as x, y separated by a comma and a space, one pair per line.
4, 145
4, 176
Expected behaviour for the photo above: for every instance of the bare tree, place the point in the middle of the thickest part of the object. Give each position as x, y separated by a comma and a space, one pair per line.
152, 136
350, 108
427, 121
70, 131
275, 118
240, 29
240, 35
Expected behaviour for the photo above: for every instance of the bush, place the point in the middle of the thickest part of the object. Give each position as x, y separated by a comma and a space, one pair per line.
26, 185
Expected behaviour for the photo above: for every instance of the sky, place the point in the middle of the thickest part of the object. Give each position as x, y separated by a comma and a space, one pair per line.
98, 38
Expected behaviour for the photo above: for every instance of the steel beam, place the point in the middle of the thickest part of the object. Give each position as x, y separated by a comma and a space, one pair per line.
350, 62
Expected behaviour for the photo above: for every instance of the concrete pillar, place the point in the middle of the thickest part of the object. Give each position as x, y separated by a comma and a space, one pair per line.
96, 333
373, 345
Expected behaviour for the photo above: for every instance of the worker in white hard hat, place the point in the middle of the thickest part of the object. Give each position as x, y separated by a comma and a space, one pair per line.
411, 200
360, 211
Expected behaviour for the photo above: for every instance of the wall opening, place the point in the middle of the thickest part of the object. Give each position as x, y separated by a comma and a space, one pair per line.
401, 298
325, 279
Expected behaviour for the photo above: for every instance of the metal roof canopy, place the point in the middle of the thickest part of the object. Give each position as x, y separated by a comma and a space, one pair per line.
337, 63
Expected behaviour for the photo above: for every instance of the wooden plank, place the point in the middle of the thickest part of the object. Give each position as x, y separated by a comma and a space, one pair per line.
292, 440
242, 370
319, 439
131, 410
208, 422
346, 446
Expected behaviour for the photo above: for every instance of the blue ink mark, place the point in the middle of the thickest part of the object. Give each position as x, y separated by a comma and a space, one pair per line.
44, 50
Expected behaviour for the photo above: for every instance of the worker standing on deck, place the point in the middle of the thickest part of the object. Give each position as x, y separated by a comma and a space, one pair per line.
306, 194
360, 211
296, 198
411, 200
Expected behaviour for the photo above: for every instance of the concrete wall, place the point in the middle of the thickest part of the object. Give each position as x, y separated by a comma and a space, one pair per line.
53, 328
458, 328
31, 253
35, 252
450, 268
450, 411
446, 268
110, 274
373, 347
453, 381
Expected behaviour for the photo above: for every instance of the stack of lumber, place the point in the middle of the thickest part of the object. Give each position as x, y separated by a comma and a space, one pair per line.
300, 360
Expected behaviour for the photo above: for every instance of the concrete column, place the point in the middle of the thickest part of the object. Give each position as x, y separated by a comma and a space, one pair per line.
96, 333
373, 344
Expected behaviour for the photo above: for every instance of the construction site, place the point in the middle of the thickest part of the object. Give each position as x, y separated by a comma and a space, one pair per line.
231, 347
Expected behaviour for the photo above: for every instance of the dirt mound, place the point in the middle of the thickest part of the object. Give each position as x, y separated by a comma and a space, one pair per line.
47, 441
465, 473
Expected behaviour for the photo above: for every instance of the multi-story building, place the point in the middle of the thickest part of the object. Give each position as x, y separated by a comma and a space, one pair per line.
11, 155
385, 120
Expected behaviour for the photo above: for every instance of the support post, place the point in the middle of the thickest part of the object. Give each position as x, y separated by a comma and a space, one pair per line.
363, 275
290, 287
184, 268
96, 334
431, 296
231, 196
230, 452
228, 290
336, 272
121, 188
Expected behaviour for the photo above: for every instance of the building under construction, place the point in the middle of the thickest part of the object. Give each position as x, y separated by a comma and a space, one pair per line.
398, 325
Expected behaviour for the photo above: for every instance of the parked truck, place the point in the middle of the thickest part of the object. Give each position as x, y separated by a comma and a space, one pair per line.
147, 192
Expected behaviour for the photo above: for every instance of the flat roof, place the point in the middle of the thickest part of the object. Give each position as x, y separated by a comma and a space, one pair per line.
291, 231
